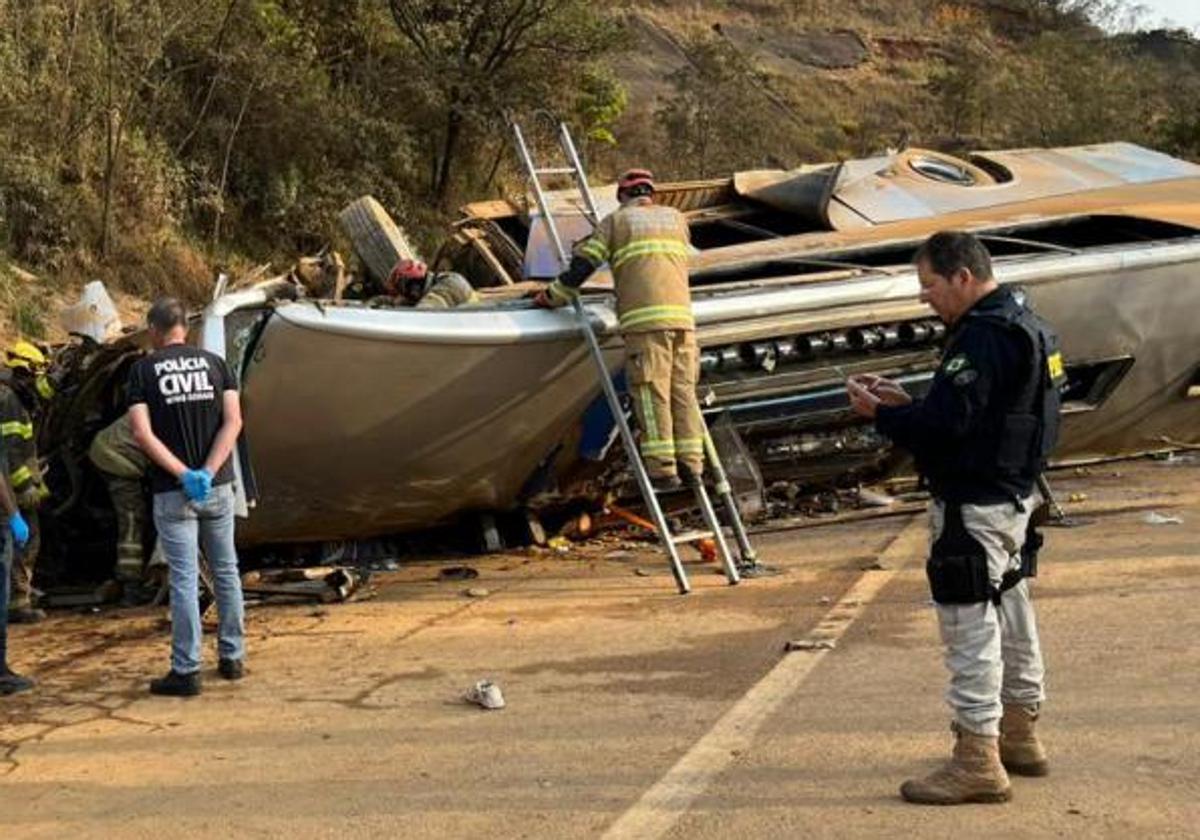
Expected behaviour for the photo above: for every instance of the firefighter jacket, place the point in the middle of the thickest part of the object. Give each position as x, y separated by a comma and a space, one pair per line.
115, 452
446, 291
983, 432
16, 427
647, 247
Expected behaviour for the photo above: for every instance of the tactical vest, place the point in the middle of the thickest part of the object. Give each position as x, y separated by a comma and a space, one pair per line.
1012, 448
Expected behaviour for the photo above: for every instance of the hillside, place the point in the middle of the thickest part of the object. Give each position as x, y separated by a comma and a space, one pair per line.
146, 144
774, 83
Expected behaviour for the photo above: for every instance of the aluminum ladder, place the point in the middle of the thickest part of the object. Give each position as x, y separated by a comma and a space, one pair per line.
670, 541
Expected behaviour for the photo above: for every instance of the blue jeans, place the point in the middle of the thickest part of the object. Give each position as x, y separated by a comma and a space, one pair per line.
183, 528
6, 553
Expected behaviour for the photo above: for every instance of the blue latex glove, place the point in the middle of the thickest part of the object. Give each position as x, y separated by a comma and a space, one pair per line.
197, 484
19, 529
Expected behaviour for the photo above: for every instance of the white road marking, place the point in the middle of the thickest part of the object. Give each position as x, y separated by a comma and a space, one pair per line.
671, 797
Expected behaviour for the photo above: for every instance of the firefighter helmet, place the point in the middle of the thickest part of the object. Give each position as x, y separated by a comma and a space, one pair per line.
408, 278
640, 181
25, 354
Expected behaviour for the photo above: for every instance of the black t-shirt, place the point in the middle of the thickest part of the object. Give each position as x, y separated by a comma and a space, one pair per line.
183, 387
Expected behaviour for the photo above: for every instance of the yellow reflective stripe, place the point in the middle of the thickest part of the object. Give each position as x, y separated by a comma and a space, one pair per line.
20, 476
648, 247
44, 388
650, 433
658, 448
15, 428
594, 249
561, 292
649, 314
689, 445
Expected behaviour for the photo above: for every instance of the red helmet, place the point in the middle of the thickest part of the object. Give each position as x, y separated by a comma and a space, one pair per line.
636, 178
405, 274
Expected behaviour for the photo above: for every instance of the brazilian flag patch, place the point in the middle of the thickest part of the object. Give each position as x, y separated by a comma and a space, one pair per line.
954, 365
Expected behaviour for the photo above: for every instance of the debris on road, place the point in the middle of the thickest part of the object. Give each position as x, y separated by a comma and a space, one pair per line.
486, 694
325, 584
477, 592
809, 644
1156, 518
873, 498
82, 596
457, 573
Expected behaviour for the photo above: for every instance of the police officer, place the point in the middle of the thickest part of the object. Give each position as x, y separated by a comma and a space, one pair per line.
980, 437
647, 246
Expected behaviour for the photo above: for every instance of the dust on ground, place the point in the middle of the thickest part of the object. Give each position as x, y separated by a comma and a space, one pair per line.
350, 722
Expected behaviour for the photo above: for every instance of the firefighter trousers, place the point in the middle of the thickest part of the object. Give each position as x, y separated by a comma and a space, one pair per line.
23, 562
662, 368
129, 504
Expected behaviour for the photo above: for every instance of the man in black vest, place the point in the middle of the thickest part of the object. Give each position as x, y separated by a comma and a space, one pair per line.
980, 438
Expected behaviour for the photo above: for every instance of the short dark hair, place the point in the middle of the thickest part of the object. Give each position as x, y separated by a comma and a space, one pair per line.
949, 250
165, 314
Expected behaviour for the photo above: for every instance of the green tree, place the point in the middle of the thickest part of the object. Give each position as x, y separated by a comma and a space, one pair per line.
1068, 90
477, 60
963, 84
723, 116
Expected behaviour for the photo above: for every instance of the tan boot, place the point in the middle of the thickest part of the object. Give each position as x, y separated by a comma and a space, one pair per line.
973, 774
1020, 750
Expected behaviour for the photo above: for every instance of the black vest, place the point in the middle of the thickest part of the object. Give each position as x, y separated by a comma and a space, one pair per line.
1005, 452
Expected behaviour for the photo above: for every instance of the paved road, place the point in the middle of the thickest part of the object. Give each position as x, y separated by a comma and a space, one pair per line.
632, 712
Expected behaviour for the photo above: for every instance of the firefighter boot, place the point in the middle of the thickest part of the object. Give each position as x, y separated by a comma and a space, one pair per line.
973, 774
1020, 750
26, 614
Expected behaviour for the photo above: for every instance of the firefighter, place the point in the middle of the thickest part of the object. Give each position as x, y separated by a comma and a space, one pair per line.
647, 247
412, 282
123, 464
23, 383
13, 534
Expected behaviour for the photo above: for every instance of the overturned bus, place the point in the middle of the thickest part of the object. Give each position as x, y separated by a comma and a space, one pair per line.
364, 421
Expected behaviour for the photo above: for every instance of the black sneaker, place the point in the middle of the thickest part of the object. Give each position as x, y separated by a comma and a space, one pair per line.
175, 684
231, 669
11, 683
26, 615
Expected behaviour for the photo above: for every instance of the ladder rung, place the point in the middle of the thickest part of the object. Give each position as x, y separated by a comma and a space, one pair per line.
691, 537
555, 170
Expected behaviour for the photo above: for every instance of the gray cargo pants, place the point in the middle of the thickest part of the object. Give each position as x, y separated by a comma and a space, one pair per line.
993, 655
